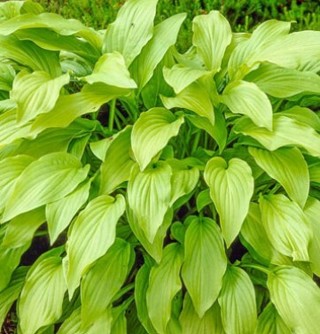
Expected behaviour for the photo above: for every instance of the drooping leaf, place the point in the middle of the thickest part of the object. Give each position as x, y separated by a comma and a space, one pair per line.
60, 213
151, 133
164, 283
164, 36
286, 131
132, 29
11, 293
284, 82
205, 263
195, 98
296, 298
247, 98
231, 187
191, 322
45, 180
36, 93
104, 280
43, 290
286, 226
149, 197
270, 322
237, 302
92, 234
211, 36
311, 211
117, 162
294, 177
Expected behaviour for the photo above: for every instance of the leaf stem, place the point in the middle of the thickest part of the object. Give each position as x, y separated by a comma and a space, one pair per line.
112, 114
258, 267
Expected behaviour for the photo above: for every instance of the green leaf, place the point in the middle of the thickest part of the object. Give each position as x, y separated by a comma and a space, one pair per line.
92, 234
72, 324
111, 70
312, 213
211, 36
149, 197
117, 163
11, 293
43, 290
247, 98
7, 74
270, 322
152, 132
296, 298
286, 226
294, 177
45, 180
60, 213
132, 29
237, 302
286, 131
164, 283
164, 36
205, 263
104, 280
231, 187
284, 82
195, 98
35, 93
191, 323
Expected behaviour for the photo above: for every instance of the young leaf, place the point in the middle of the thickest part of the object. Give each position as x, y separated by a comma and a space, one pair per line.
164, 283
104, 280
191, 323
151, 133
231, 187
44, 290
294, 177
164, 36
132, 29
205, 263
286, 131
60, 213
296, 298
35, 93
149, 197
45, 180
286, 226
92, 234
237, 302
246, 98
211, 36
270, 322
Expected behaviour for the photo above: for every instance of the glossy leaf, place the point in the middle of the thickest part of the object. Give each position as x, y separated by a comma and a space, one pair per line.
296, 298
164, 283
294, 177
131, 30
205, 263
151, 133
44, 290
35, 93
231, 187
60, 213
117, 162
191, 322
149, 197
211, 36
92, 234
286, 131
286, 226
164, 36
104, 280
246, 98
237, 302
45, 180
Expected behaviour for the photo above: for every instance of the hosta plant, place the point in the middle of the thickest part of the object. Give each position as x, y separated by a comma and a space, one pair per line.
147, 191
